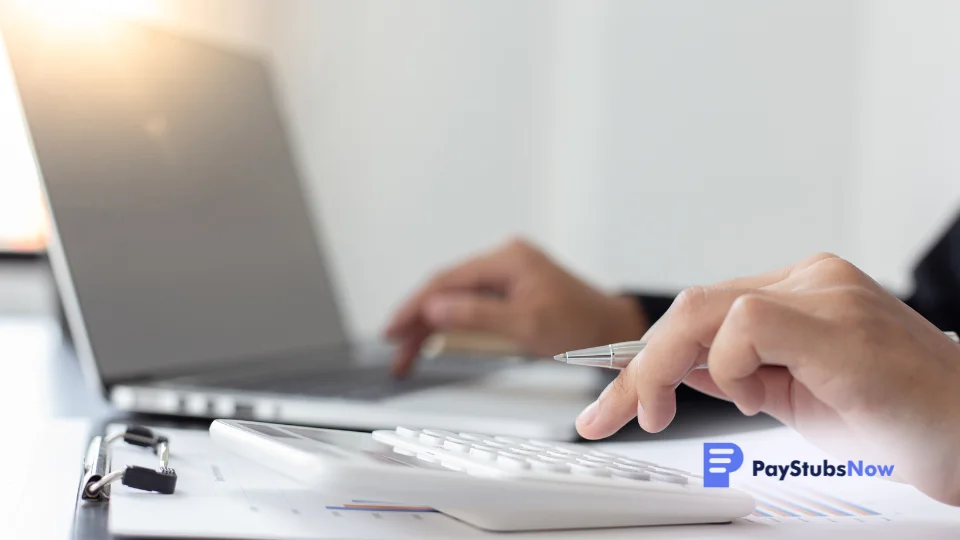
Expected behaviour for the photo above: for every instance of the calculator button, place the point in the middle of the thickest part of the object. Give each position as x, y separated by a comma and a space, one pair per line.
551, 459
547, 466
484, 453
512, 462
591, 462
624, 466
634, 462
595, 459
440, 433
600, 454
509, 440
531, 446
540, 444
472, 437
432, 440
496, 444
455, 445
403, 451
667, 477
634, 474
524, 452
452, 466
678, 472
429, 458
407, 432
579, 468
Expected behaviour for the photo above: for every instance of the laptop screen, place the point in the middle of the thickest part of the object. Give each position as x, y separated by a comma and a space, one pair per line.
181, 234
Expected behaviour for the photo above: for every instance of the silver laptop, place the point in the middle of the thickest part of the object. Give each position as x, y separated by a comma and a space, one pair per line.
189, 268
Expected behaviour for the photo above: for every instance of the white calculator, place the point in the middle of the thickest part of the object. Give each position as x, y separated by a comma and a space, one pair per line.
491, 482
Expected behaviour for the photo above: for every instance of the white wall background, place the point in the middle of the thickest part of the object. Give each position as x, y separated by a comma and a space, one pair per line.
908, 132
421, 129
645, 144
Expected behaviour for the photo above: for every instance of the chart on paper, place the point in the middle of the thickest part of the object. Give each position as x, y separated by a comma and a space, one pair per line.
260, 503
222, 496
780, 505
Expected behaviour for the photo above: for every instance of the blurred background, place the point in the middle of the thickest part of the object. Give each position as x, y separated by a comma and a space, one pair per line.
646, 145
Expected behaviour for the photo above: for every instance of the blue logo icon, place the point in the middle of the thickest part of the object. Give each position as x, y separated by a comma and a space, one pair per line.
719, 460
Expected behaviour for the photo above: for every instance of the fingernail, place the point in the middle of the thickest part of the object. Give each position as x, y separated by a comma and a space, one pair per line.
589, 414
640, 414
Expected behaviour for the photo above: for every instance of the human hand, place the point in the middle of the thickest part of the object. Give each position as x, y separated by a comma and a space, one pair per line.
519, 293
819, 346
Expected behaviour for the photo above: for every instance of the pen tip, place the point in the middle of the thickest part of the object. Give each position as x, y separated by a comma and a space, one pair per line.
561, 357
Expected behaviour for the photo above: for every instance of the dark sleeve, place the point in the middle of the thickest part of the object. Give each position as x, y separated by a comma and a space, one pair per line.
936, 293
653, 305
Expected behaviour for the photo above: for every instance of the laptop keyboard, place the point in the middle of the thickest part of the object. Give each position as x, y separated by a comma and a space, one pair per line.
371, 383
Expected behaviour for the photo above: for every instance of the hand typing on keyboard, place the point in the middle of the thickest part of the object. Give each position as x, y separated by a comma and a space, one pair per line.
518, 293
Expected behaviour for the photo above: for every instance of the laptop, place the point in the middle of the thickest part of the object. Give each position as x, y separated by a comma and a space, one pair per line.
188, 262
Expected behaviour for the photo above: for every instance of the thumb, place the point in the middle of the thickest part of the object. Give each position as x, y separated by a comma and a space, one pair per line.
471, 311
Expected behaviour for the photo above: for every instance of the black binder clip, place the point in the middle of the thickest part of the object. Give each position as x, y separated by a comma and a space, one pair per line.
145, 437
96, 484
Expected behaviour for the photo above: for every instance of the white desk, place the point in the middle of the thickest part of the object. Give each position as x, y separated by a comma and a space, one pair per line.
46, 418
46, 411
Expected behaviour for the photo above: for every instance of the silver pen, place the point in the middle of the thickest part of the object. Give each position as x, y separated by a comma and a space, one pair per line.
619, 355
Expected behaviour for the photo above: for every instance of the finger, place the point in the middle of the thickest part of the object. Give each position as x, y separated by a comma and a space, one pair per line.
678, 344
471, 311
646, 388
619, 404
486, 272
407, 352
765, 329
775, 276
699, 380
612, 409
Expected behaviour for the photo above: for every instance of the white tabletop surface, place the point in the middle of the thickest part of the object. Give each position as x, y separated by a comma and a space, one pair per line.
48, 411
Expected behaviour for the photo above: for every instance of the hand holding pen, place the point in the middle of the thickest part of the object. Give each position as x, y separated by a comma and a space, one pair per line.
819, 346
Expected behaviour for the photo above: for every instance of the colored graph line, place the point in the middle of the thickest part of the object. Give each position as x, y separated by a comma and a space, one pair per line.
812, 503
846, 504
775, 509
790, 504
380, 506
383, 509
822, 506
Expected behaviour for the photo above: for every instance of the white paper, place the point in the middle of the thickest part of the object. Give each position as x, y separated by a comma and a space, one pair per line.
223, 496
